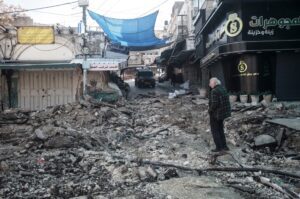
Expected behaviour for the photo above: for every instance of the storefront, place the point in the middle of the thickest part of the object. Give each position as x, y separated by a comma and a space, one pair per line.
37, 85
252, 46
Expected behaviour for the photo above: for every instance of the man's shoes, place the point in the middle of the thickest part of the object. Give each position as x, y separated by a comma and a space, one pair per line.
225, 149
215, 150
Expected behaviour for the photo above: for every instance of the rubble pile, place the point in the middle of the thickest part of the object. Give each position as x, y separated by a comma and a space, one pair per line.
250, 126
126, 150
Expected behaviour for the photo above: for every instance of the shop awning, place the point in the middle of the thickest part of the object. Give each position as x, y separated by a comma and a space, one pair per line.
194, 59
136, 34
159, 60
182, 56
35, 65
249, 47
179, 46
166, 54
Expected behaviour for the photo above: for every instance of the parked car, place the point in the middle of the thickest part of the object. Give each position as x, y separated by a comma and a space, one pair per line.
144, 78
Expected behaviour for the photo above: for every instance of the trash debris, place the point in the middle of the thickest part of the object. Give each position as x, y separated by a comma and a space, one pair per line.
176, 93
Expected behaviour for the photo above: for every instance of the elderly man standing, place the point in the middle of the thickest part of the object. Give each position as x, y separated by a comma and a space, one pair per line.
219, 109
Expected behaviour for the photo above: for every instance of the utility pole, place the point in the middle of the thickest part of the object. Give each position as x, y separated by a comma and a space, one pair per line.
84, 4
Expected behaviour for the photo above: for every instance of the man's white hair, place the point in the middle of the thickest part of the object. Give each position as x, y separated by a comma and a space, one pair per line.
216, 80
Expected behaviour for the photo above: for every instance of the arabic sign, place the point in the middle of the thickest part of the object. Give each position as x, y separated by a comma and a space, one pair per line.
270, 21
270, 24
286, 23
103, 66
35, 35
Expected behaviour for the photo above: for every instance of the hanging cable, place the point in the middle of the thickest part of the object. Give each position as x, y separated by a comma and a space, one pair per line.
137, 8
111, 7
154, 8
55, 48
101, 5
27, 10
58, 14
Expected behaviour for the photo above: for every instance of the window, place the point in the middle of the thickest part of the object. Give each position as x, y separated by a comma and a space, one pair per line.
197, 4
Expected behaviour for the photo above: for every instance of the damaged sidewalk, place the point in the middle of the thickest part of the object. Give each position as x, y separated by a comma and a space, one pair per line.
150, 147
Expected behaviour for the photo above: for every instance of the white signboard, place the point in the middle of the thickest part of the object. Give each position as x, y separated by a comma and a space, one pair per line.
101, 64
104, 66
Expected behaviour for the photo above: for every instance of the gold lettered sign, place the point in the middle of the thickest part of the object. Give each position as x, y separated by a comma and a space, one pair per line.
234, 25
242, 67
36, 35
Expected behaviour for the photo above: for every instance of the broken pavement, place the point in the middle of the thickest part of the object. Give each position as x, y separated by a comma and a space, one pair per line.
150, 147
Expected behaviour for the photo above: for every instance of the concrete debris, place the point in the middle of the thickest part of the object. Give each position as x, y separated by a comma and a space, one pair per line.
264, 140
92, 149
177, 93
293, 123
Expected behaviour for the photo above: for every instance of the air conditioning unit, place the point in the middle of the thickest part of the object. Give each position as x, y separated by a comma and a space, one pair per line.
83, 3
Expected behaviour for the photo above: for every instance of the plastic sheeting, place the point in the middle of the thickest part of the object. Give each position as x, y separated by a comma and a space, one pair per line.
137, 34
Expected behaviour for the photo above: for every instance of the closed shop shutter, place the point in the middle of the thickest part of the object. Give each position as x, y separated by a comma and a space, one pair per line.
39, 89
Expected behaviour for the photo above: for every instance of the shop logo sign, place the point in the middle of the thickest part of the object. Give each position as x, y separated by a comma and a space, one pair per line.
234, 25
242, 67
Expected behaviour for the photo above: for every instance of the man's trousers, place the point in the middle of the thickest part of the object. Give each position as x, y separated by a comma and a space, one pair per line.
217, 129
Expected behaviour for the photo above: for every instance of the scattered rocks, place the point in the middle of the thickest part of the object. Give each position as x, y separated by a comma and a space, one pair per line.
40, 134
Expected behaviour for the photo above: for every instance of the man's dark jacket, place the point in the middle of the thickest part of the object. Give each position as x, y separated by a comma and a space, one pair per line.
219, 105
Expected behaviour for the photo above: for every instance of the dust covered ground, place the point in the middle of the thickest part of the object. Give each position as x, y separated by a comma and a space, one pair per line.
149, 147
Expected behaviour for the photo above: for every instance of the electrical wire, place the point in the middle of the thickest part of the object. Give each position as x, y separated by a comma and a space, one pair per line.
101, 5
137, 9
154, 8
46, 50
58, 14
111, 7
40, 8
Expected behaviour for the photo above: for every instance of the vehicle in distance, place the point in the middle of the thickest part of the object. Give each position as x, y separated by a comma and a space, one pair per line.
144, 78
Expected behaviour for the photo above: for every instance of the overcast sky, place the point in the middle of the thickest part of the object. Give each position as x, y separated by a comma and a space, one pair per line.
70, 15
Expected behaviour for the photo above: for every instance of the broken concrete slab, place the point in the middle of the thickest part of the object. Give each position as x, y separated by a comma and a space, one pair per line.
202, 187
293, 123
264, 140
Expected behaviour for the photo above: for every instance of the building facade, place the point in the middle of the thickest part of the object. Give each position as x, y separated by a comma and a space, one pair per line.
178, 59
252, 46
37, 75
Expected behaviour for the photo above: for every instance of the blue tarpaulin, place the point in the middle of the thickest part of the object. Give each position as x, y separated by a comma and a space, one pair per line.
137, 34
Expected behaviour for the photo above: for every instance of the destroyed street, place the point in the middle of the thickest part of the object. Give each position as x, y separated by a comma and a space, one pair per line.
149, 147
143, 99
